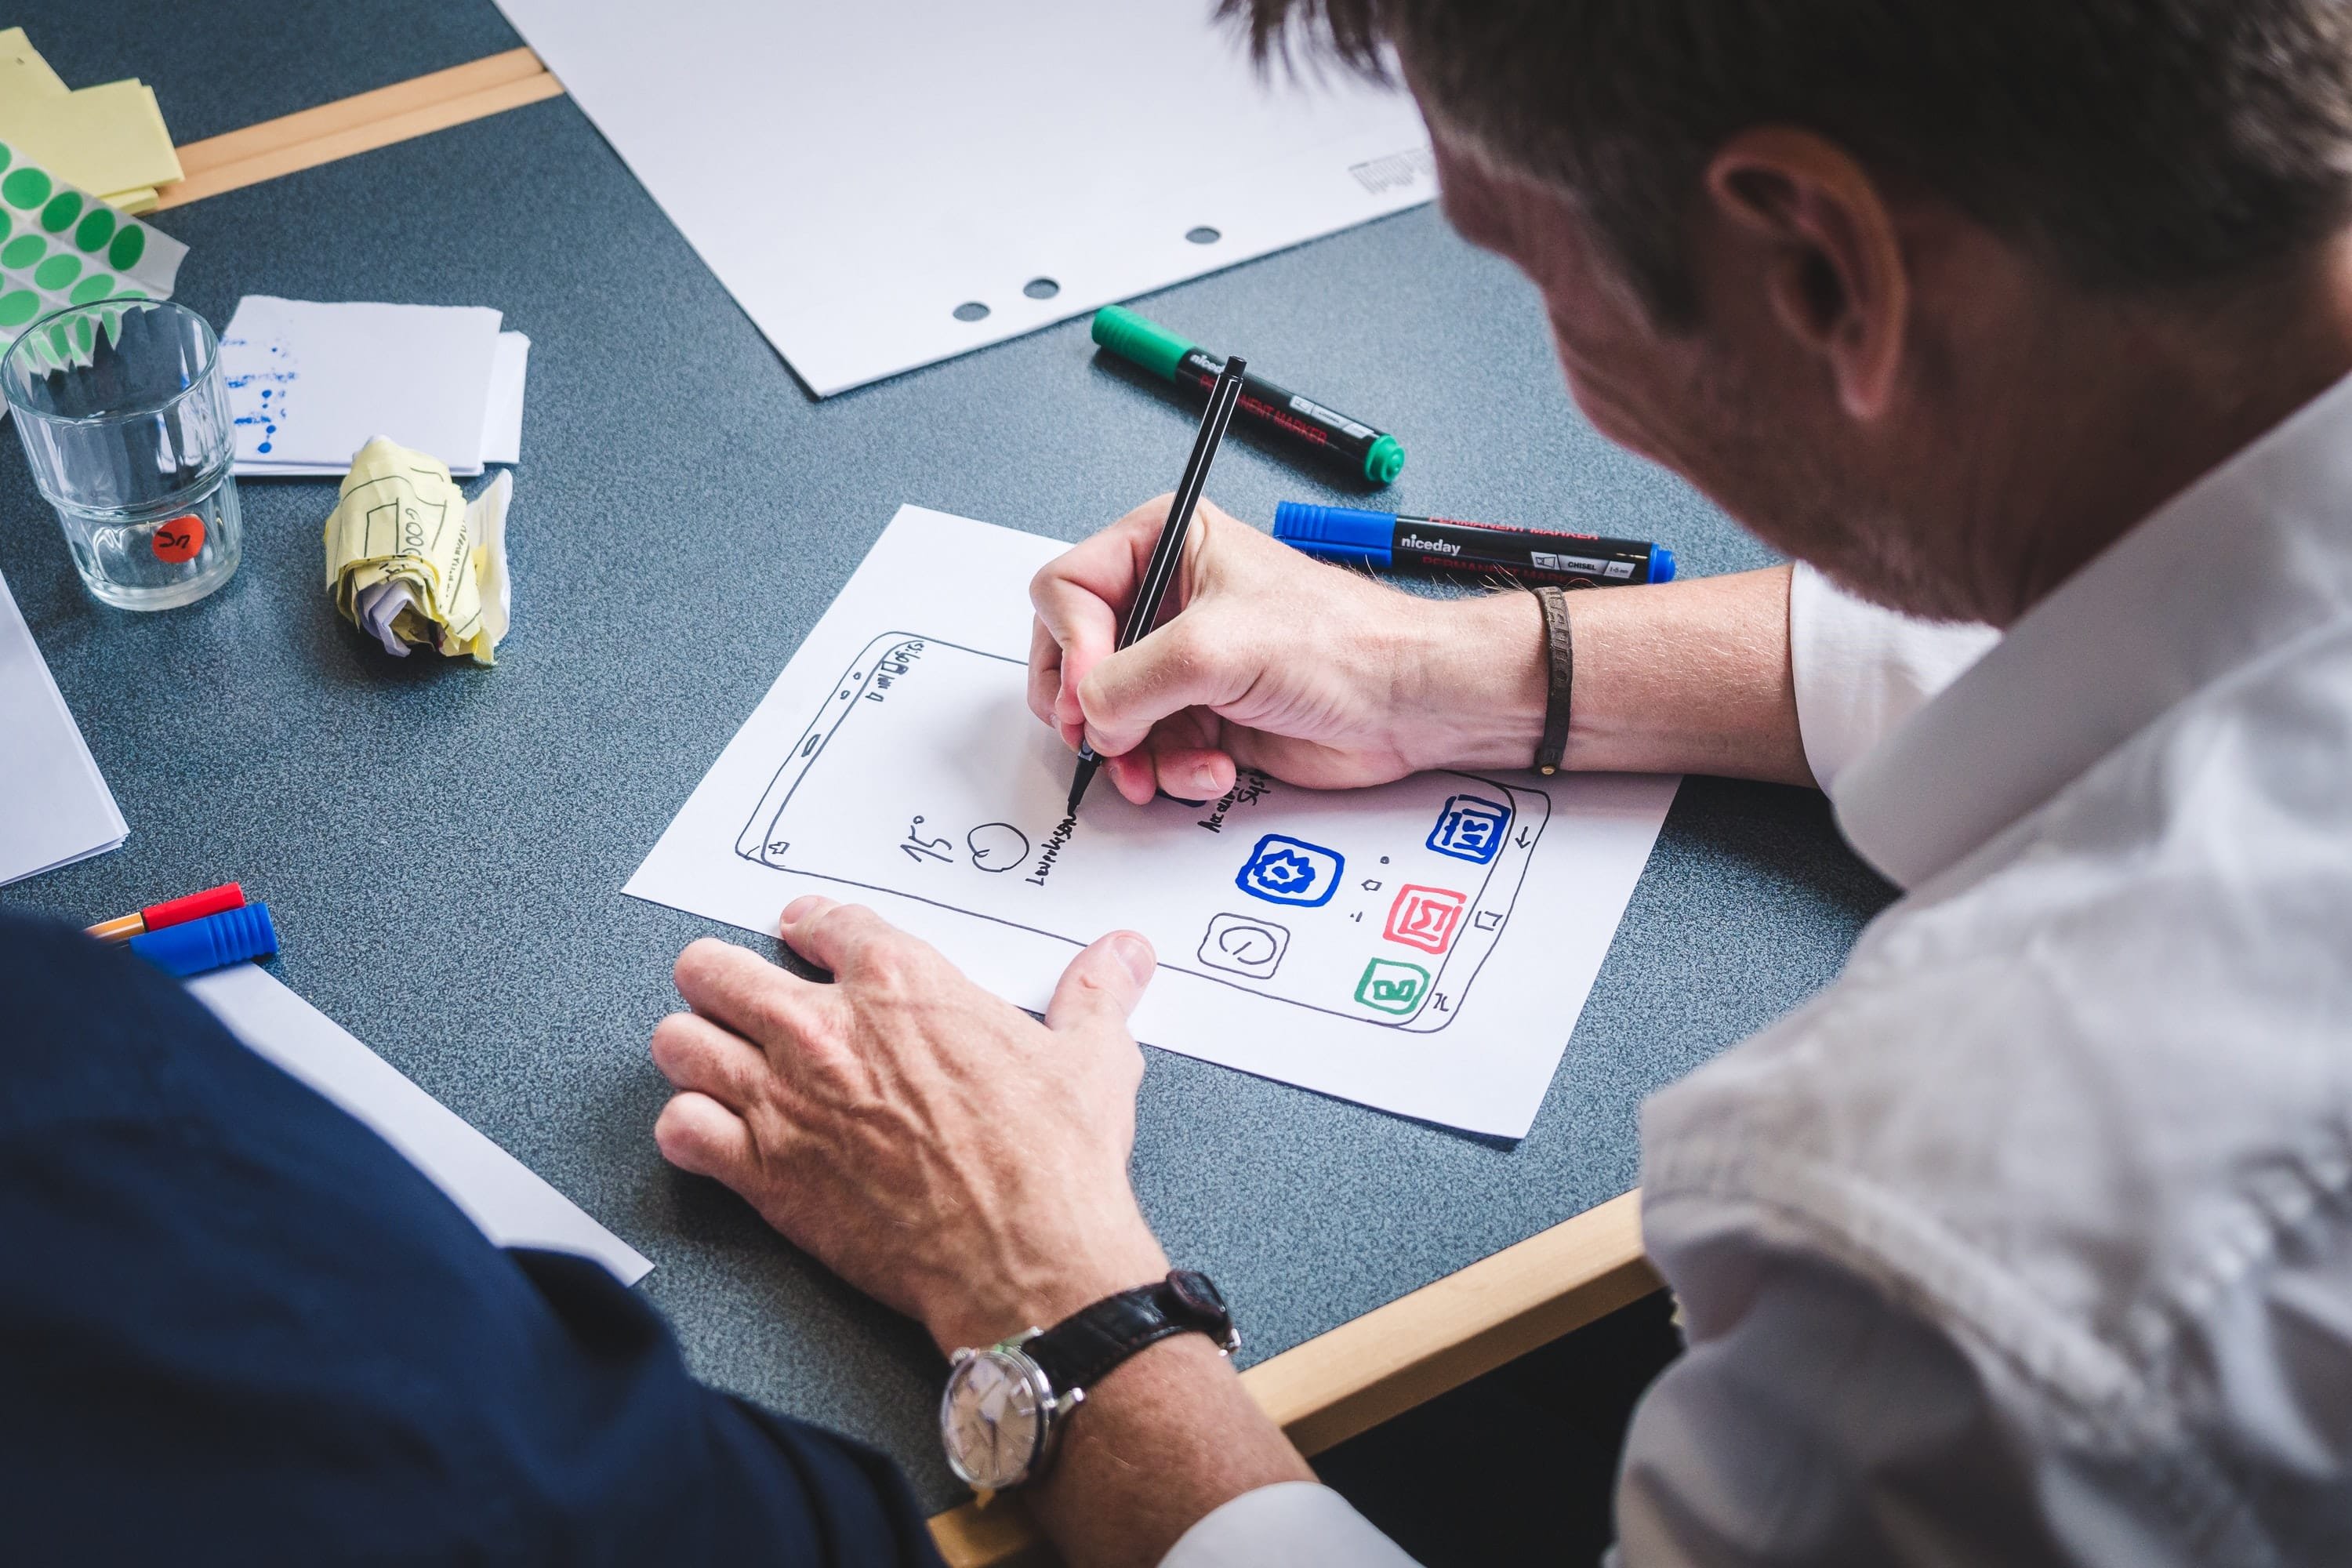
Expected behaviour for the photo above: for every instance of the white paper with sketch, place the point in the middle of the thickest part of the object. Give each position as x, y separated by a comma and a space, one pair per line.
309, 383
1423, 947
510, 1203
1031, 158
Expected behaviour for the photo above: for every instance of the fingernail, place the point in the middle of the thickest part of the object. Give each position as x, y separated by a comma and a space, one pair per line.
1136, 954
1204, 779
801, 908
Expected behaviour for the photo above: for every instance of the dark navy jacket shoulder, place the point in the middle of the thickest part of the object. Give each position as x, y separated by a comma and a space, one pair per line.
237, 1326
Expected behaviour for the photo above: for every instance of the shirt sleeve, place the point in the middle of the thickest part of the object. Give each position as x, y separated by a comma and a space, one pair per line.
1822, 1424
1860, 669
1283, 1525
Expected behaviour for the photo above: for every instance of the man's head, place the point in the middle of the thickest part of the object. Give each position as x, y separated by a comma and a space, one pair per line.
1868, 270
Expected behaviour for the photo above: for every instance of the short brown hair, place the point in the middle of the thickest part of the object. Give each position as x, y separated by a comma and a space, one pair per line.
2140, 144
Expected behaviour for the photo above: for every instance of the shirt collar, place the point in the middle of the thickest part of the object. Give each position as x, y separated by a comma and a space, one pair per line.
2251, 555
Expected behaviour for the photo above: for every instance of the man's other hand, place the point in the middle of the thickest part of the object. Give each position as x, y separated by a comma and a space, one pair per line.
934, 1145
1316, 674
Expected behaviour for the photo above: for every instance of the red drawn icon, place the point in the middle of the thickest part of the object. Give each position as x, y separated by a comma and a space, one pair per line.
1425, 917
179, 539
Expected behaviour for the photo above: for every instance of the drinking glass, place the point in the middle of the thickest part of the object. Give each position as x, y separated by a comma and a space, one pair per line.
119, 407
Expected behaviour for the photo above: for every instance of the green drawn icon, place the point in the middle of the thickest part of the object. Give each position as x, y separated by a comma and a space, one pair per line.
127, 248
1391, 985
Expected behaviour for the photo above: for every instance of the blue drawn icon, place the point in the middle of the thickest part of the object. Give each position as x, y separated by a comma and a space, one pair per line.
1283, 870
1470, 828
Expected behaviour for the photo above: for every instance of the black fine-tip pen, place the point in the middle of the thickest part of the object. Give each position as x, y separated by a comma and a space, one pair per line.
1168, 555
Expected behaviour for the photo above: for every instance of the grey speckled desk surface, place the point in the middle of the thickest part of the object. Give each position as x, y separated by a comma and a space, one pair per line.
683, 512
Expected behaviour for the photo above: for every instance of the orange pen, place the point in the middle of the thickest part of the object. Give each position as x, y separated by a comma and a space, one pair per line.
171, 913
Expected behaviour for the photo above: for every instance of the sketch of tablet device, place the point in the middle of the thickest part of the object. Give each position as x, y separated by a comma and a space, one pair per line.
925, 776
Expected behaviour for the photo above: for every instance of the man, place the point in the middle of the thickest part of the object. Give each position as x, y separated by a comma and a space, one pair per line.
2030, 1239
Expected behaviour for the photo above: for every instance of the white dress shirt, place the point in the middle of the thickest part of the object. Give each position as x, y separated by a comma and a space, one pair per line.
2030, 1239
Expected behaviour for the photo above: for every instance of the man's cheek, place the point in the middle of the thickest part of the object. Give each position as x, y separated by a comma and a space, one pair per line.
1609, 412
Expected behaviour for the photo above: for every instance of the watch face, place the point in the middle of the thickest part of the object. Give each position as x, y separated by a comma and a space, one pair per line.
992, 1420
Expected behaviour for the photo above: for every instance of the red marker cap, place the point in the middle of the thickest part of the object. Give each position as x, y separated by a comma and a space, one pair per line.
195, 907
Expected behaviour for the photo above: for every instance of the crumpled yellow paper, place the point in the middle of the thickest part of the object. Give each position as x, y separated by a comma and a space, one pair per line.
411, 562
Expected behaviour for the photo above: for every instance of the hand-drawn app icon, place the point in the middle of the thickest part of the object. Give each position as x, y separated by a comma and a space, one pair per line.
1425, 917
1283, 870
1242, 945
1391, 986
1471, 829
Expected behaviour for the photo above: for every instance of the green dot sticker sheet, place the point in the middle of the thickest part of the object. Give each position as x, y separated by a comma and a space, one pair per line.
61, 246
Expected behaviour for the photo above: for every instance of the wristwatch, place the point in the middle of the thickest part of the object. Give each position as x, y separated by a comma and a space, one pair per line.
1005, 1407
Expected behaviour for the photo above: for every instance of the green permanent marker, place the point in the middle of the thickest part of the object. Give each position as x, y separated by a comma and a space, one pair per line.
1264, 405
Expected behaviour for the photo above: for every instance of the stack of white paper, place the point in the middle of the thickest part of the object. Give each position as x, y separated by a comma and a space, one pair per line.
310, 383
55, 807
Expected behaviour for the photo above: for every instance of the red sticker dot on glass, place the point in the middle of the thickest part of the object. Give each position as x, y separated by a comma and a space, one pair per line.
178, 540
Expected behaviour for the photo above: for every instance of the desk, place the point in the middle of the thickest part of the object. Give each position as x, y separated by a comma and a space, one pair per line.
255, 735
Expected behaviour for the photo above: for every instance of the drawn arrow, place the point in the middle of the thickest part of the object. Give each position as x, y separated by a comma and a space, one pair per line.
1524, 840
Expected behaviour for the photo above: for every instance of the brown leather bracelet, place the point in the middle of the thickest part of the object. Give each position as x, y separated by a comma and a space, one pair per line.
1559, 661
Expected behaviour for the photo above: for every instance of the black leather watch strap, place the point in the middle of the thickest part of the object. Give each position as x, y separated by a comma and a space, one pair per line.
1559, 664
1078, 1352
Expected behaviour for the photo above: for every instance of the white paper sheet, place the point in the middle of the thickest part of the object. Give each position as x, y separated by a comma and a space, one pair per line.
55, 807
1424, 947
513, 1206
311, 383
855, 174
502, 427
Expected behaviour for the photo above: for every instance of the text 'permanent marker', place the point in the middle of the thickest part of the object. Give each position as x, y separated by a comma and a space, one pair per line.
1300, 421
1485, 549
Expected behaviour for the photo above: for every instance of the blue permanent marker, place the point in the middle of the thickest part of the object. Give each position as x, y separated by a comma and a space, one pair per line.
1483, 549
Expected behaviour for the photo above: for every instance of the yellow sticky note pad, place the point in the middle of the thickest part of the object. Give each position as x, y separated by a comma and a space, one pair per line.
23, 73
411, 562
107, 138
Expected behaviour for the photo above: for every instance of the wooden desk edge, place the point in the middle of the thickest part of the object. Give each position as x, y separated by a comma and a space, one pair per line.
360, 124
1394, 1357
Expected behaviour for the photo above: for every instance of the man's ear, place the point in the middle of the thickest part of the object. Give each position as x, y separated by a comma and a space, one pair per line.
1836, 275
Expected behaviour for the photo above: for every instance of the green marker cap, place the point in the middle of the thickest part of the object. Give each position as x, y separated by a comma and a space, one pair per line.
1144, 342
1385, 461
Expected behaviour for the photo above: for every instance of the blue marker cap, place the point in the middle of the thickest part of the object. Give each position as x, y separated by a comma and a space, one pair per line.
1337, 533
215, 942
1661, 563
